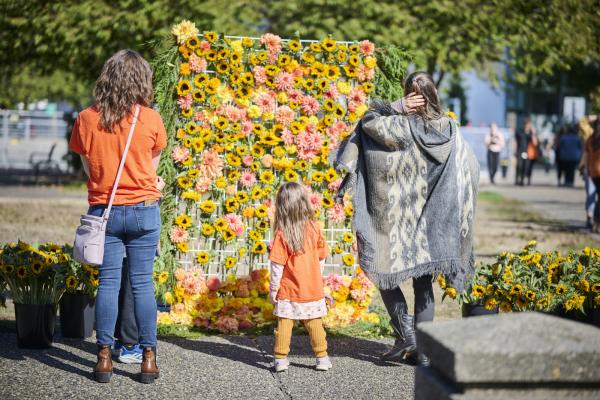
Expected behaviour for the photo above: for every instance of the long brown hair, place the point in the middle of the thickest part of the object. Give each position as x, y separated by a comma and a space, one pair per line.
292, 212
595, 138
420, 82
126, 79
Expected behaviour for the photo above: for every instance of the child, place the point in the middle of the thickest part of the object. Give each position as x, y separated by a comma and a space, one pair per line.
296, 282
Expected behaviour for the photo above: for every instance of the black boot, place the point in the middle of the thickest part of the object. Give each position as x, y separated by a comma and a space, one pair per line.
406, 343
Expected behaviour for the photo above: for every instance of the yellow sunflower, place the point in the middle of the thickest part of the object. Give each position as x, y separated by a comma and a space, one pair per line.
71, 282
183, 221
348, 259
290, 175
259, 248
183, 87
202, 257
230, 262
208, 206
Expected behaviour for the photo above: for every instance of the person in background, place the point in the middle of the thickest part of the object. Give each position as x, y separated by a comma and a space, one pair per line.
570, 154
533, 153
523, 139
585, 131
494, 141
123, 92
557, 160
592, 158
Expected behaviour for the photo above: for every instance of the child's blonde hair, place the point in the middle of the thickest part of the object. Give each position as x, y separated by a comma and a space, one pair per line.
292, 212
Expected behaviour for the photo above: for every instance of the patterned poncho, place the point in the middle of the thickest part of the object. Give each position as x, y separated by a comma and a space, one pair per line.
415, 186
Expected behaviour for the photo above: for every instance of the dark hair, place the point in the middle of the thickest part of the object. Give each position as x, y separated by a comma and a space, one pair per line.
595, 138
420, 82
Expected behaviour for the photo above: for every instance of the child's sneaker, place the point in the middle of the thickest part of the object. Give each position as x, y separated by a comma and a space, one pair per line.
116, 349
131, 355
281, 364
323, 363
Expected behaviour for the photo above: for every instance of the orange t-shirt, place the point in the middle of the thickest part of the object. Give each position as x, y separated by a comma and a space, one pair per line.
103, 150
302, 280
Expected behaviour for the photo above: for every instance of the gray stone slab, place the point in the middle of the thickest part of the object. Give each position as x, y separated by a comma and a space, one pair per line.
516, 347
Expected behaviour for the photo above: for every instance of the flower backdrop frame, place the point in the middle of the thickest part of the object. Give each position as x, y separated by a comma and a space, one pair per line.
244, 115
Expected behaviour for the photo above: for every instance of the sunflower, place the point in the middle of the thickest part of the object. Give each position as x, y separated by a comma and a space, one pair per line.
192, 43
256, 193
505, 307
197, 146
322, 84
596, 288
221, 182
208, 206
354, 48
317, 176
339, 111
230, 262
222, 68
262, 56
184, 182
220, 224
290, 175
198, 95
242, 197
367, 87
330, 175
348, 259
316, 47
241, 150
259, 248
222, 123
561, 289
184, 87
247, 42
233, 160
183, 221
341, 56
262, 225
284, 60
530, 295
477, 291
200, 80
516, 290
490, 303
257, 150
267, 177
231, 204
183, 247
348, 237
71, 282
255, 236
219, 137
301, 165
294, 45
162, 277
207, 230
271, 70
337, 249
37, 266
211, 36
328, 44
227, 235
261, 211
202, 257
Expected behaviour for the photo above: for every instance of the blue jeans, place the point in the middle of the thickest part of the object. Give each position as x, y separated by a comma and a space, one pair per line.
136, 230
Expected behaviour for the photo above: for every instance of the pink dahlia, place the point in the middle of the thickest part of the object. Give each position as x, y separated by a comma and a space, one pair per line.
204, 45
247, 127
333, 281
315, 200
332, 92
260, 75
266, 102
230, 190
212, 164
178, 235
335, 185
180, 153
248, 179
185, 102
284, 81
336, 214
285, 115
197, 64
295, 95
203, 184
309, 105
366, 47
288, 137
235, 223
179, 274
356, 96
365, 73
248, 160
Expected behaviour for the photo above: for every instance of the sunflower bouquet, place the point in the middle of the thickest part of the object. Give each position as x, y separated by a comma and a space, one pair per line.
80, 278
34, 275
535, 281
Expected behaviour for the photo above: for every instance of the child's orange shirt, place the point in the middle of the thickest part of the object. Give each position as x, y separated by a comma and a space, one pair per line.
302, 280
103, 151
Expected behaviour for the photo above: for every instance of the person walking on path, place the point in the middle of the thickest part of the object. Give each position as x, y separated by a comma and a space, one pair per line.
494, 141
415, 181
585, 131
592, 158
570, 154
526, 152
123, 95
296, 287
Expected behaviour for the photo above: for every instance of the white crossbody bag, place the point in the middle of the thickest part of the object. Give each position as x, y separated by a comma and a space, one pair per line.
91, 233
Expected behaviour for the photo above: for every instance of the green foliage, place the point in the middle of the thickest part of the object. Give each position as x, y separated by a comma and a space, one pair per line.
392, 63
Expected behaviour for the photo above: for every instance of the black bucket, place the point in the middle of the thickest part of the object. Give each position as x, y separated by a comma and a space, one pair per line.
35, 325
77, 315
475, 310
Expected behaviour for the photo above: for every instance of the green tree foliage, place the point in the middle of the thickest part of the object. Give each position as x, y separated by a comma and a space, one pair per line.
72, 38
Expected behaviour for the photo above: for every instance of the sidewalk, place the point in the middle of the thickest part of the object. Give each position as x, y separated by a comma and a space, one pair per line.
228, 367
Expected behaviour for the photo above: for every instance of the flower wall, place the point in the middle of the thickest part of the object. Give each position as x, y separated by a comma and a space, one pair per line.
254, 113
251, 114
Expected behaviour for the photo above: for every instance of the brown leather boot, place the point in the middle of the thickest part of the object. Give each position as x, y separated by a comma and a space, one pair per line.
149, 369
103, 368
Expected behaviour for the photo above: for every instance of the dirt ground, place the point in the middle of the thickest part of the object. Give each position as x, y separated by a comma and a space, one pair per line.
38, 215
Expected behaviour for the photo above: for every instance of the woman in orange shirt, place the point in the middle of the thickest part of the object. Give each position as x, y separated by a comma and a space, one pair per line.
296, 278
99, 136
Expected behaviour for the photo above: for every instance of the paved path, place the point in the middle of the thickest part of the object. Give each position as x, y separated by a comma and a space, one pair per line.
546, 197
228, 367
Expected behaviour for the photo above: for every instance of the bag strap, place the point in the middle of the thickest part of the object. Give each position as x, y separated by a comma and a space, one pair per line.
122, 164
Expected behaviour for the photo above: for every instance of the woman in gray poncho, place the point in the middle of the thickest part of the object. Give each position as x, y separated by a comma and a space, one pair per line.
414, 181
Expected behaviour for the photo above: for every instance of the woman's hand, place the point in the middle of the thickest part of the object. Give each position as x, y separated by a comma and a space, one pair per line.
412, 102
160, 183
273, 297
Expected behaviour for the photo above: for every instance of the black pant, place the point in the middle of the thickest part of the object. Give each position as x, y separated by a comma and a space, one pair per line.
569, 168
597, 206
521, 170
395, 302
530, 164
493, 158
126, 328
